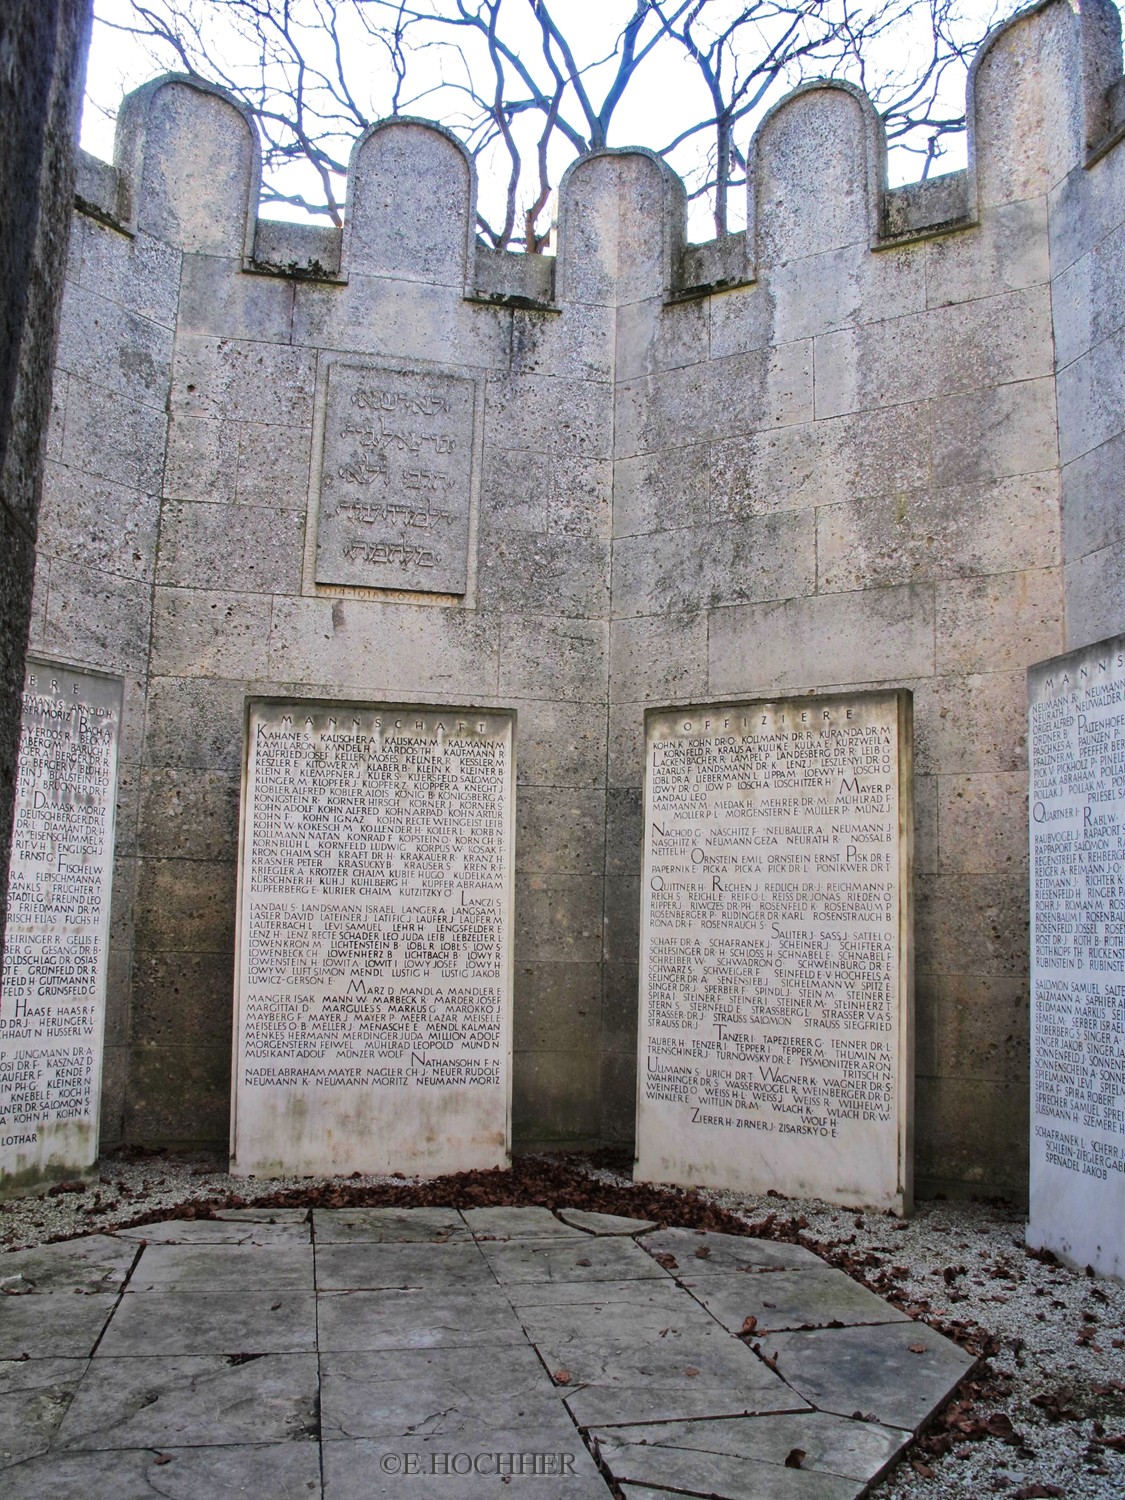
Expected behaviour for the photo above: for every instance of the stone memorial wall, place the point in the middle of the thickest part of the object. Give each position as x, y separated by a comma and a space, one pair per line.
775, 1029
373, 986
53, 987
1077, 808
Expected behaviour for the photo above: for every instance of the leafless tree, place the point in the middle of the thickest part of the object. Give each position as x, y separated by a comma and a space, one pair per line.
531, 84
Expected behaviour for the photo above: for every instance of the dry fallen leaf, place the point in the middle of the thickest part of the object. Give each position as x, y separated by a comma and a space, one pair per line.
691, 1370
561, 1377
918, 1348
703, 1252
794, 1458
583, 1262
669, 1262
163, 1458
749, 1323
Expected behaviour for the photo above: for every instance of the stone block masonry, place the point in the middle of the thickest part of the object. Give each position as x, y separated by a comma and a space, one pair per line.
868, 445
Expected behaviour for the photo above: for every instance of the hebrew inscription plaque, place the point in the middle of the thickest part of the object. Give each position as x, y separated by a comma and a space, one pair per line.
373, 983
775, 1024
52, 991
395, 480
1077, 806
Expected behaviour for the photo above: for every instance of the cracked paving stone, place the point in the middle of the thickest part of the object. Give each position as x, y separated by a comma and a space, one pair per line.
212, 1323
215, 1268
358, 1470
515, 1223
284, 1471
97, 1263
415, 1319
441, 1268
594, 1223
790, 1299
58, 1325
34, 1396
193, 1401
582, 1259
346, 1226
218, 1232
726, 1252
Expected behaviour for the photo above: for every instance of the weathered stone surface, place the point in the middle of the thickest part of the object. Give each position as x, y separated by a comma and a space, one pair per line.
595, 1223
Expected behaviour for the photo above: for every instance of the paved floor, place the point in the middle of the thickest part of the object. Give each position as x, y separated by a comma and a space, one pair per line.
361, 1353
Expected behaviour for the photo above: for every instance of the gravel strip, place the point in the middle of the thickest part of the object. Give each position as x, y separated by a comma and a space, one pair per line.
1044, 1417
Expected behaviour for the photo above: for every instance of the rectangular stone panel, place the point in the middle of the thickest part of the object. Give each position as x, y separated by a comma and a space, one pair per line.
395, 480
775, 1036
373, 1010
53, 988
1077, 817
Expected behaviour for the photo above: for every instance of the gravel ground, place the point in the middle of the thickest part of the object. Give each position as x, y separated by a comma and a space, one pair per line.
1043, 1416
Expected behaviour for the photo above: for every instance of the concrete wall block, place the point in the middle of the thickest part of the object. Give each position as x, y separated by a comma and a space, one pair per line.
578, 343
565, 575
183, 999
971, 723
402, 320
589, 226
654, 335
620, 1006
96, 525
619, 1097
243, 381
1007, 251
971, 924
625, 760
1008, 525
97, 619
1085, 207
411, 204
560, 744
665, 411
201, 633
840, 288
622, 918
114, 1094
992, 433
556, 659
139, 273
971, 1026
925, 825
373, 650
185, 906
812, 163
238, 547
218, 297
766, 557
560, 830
273, 466
944, 351
742, 319
112, 437
662, 491
624, 831
114, 349
547, 415
1091, 397
982, 823
952, 1117
749, 392
880, 635
1095, 597
192, 162
555, 1099
652, 228
202, 459
56, 421
179, 1095
197, 722
557, 1008
657, 658
558, 918
189, 814
1001, 623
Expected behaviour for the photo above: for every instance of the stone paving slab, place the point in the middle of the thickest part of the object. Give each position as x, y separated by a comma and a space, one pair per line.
790, 1299
431, 1392
212, 1323
55, 1326
410, 1341
576, 1260
193, 1401
219, 1232
34, 1396
216, 1268
98, 1263
265, 1215
415, 1319
345, 1226
875, 1371
281, 1471
594, 1223
372, 1266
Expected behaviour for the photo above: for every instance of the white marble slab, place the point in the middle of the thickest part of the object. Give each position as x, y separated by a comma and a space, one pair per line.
53, 988
374, 947
775, 1025
1077, 822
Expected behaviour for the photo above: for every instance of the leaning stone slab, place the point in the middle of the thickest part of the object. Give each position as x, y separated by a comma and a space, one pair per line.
284, 1471
382, 1226
897, 1373
775, 1039
34, 1396
595, 1223
721, 1476
713, 1254
218, 1231
415, 1319
515, 1223
212, 1322
584, 1259
56, 947
214, 1268
58, 1326
95, 1263
790, 1299
1077, 820
374, 940
435, 1267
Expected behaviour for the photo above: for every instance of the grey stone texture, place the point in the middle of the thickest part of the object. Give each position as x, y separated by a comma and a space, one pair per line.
887, 453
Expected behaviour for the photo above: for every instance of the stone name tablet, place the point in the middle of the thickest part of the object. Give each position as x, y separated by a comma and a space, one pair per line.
374, 948
1077, 806
775, 1024
52, 991
395, 480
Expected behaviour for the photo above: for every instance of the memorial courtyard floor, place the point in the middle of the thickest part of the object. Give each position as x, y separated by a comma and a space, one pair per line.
356, 1353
